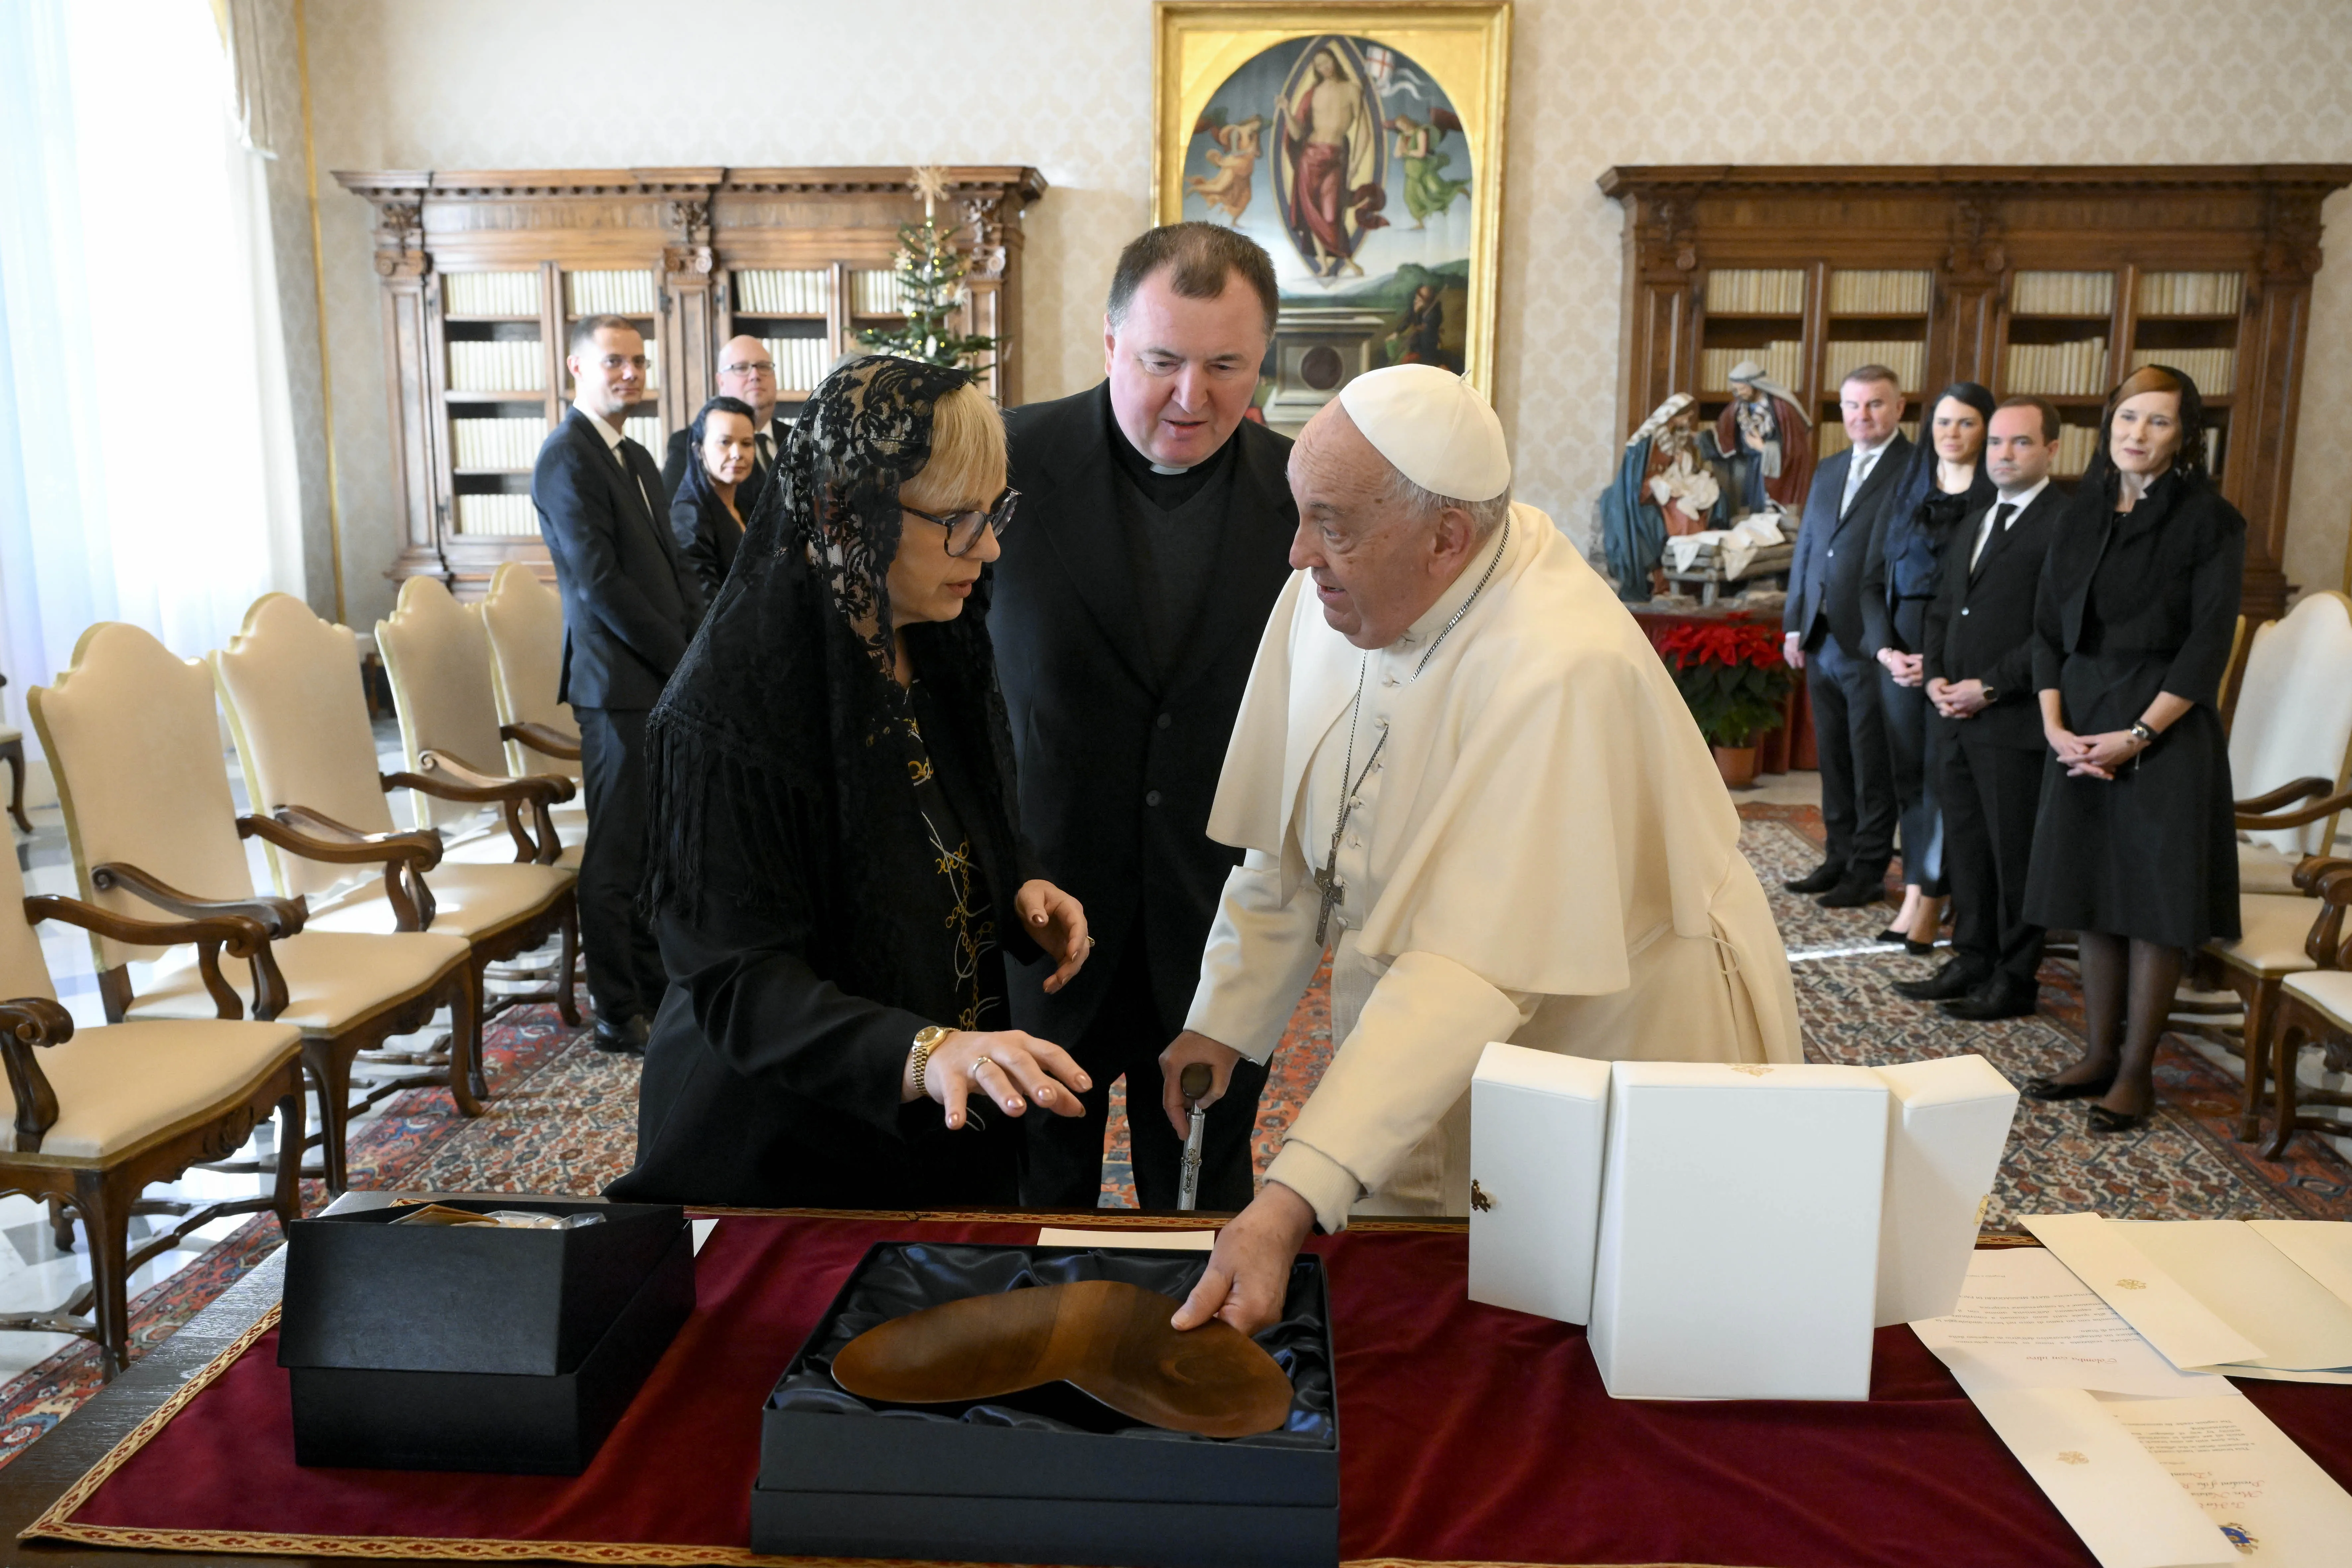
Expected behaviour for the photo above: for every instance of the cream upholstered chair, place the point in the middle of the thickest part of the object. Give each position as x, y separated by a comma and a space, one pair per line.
132, 733
99, 1115
2291, 736
437, 658
524, 619
2315, 1009
289, 684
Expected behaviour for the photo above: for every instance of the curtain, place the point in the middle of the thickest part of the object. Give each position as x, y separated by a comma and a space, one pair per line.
146, 435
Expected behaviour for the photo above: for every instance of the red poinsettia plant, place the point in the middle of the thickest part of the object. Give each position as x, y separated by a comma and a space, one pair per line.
1731, 675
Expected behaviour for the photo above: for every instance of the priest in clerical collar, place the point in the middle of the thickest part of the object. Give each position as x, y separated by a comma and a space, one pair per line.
1460, 761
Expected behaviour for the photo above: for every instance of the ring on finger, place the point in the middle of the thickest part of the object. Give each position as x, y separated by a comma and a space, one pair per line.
978, 1063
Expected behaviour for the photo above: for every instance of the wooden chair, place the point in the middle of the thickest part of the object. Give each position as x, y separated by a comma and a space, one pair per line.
524, 619
2315, 1009
437, 658
289, 684
132, 734
2291, 729
100, 1115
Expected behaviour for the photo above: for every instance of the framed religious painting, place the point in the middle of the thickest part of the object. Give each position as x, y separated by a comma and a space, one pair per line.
1362, 146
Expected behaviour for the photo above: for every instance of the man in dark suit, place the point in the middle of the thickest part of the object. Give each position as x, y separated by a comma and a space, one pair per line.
1156, 528
746, 372
1824, 636
1979, 658
630, 606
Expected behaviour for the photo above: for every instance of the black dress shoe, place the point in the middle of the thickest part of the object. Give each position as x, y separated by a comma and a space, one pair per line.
1997, 999
1854, 893
1890, 935
626, 1038
2108, 1122
2050, 1089
1952, 980
1822, 877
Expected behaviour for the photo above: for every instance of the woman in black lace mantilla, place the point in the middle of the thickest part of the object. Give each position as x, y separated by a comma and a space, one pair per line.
832, 868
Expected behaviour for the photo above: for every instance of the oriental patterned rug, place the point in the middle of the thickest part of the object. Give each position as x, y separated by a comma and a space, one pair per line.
561, 1117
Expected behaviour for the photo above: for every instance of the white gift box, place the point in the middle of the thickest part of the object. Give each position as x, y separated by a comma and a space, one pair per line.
1740, 1222
1537, 1124
1947, 1122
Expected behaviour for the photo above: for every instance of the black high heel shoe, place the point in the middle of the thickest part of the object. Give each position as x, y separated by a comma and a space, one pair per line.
2049, 1088
1890, 935
2106, 1122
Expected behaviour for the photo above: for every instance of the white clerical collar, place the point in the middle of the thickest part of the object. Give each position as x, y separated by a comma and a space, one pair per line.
612, 437
1493, 548
2024, 497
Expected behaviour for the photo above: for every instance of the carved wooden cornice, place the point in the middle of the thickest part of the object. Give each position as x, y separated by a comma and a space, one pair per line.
1654, 180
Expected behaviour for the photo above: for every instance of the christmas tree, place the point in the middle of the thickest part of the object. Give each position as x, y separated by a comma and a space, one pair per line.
930, 285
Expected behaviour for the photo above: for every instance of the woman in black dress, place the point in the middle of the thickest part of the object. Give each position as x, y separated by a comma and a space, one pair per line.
832, 865
704, 515
1944, 482
2135, 847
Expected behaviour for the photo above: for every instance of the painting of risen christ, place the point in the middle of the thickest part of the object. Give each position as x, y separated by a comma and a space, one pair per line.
1328, 142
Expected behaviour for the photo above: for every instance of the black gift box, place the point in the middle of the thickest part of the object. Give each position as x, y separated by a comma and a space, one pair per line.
1047, 1475
419, 1347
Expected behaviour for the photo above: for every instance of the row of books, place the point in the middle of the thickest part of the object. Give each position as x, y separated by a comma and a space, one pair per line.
2078, 369
2215, 371
1906, 359
1783, 360
506, 515
1755, 291
495, 443
646, 432
502, 364
877, 294
771, 292
800, 363
2190, 293
1875, 293
1829, 437
2062, 294
628, 293
490, 293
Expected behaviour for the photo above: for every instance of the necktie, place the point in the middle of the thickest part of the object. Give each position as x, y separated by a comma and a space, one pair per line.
767, 452
1996, 521
1857, 472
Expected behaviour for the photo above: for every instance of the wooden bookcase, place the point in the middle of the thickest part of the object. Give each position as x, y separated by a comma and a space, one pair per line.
484, 272
2026, 280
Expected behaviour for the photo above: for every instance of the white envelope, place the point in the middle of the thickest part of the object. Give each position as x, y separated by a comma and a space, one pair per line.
2190, 1334
1537, 1124
1739, 1218
1948, 1122
2253, 1287
2126, 1506
2321, 1247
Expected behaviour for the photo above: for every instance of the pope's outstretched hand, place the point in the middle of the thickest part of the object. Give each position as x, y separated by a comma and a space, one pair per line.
1249, 1269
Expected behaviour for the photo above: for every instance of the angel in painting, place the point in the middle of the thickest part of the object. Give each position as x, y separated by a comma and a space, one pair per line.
1229, 188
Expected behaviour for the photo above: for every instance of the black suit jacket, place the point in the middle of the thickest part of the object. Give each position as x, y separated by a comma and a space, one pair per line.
707, 536
630, 603
1118, 762
1825, 576
680, 452
1981, 624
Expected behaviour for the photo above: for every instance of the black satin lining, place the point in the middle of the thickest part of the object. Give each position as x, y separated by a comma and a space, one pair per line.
908, 1276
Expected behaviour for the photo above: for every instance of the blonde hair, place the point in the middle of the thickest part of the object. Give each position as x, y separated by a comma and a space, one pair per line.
967, 465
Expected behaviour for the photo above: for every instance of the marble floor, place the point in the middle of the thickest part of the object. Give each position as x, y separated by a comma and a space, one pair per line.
36, 1276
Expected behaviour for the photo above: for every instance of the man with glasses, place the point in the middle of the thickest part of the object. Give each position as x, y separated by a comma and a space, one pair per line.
746, 372
1155, 532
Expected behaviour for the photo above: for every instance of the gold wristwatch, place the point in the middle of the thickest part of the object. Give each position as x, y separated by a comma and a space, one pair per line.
927, 1040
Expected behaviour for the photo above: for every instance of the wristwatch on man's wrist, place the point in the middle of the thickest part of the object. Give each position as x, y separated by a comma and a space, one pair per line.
926, 1039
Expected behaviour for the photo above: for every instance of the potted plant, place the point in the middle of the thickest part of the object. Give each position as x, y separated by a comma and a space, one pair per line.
1734, 680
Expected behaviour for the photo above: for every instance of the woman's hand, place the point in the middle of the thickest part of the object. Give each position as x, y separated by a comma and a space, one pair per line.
1059, 922
1013, 1069
2103, 753
2073, 751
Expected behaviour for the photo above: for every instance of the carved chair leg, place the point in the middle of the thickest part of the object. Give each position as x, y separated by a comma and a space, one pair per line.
465, 996
329, 1063
2262, 998
13, 752
2292, 1035
567, 990
286, 1198
106, 1215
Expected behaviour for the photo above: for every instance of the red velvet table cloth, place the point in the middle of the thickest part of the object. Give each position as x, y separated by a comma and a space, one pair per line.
1468, 1434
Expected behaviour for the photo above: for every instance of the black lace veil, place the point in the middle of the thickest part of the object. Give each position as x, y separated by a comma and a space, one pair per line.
781, 754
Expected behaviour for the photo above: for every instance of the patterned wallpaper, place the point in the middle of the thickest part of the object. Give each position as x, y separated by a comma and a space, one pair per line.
1066, 85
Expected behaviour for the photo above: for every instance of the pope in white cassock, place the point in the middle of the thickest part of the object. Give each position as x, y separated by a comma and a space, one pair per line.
1460, 761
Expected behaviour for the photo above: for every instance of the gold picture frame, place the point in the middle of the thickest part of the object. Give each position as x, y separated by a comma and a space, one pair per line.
1387, 236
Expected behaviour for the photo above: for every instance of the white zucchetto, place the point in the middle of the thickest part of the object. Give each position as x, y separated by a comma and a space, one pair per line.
1435, 430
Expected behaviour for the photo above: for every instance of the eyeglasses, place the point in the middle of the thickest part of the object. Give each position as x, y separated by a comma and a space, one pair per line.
763, 367
964, 527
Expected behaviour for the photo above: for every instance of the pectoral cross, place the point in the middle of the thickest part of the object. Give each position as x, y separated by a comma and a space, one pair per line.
1335, 892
